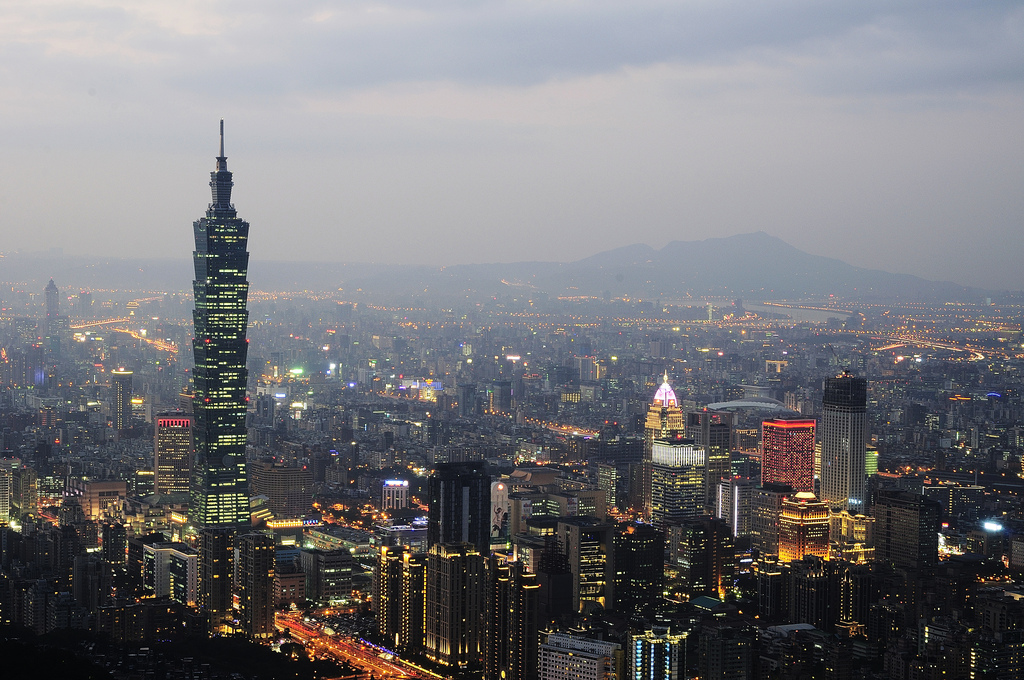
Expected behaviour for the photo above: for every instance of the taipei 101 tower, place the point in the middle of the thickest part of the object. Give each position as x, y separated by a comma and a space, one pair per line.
219, 504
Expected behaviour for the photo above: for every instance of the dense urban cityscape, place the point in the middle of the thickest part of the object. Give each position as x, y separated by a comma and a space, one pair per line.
506, 487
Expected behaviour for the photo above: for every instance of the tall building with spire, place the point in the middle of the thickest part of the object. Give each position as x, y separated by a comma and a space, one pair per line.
219, 504
220, 493
664, 422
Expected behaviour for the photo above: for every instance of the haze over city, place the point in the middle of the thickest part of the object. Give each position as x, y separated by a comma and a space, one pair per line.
886, 135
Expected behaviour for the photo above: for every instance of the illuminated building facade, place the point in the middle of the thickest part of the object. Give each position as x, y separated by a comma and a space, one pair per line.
455, 605
787, 453
512, 617
803, 527
219, 504
395, 494
172, 453
844, 432
589, 548
399, 597
656, 654
569, 657
220, 493
665, 422
677, 481
121, 398
703, 553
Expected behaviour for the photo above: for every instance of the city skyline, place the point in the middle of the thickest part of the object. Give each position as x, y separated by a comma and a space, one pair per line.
840, 131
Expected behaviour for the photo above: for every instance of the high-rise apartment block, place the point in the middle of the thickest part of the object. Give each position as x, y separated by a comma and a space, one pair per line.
121, 398
787, 453
844, 433
656, 654
455, 605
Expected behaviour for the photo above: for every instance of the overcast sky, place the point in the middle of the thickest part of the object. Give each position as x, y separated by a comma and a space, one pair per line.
888, 134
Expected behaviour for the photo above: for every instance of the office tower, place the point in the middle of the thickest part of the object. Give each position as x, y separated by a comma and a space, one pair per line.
589, 548
639, 568
328, 574
395, 494
568, 657
656, 654
288, 488
460, 506
219, 504
220, 494
664, 422
765, 510
455, 605
172, 453
52, 306
677, 481
703, 553
712, 431
803, 527
906, 529
512, 616
256, 584
787, 453
844, 432
735, 499
121, 398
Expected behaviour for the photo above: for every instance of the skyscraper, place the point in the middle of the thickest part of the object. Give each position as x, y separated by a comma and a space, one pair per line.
664, 421
677, 481
256, 584
172, 453
906, 529
803, 527
512, 616
121, 398
455, 605
220, 495
220, 490
460, 506
844, 431
712, 431
787, 453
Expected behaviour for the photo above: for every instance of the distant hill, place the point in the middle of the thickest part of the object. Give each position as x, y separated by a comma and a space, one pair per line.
754, 266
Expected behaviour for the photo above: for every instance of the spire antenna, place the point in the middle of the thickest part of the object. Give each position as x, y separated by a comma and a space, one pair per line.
222, 138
